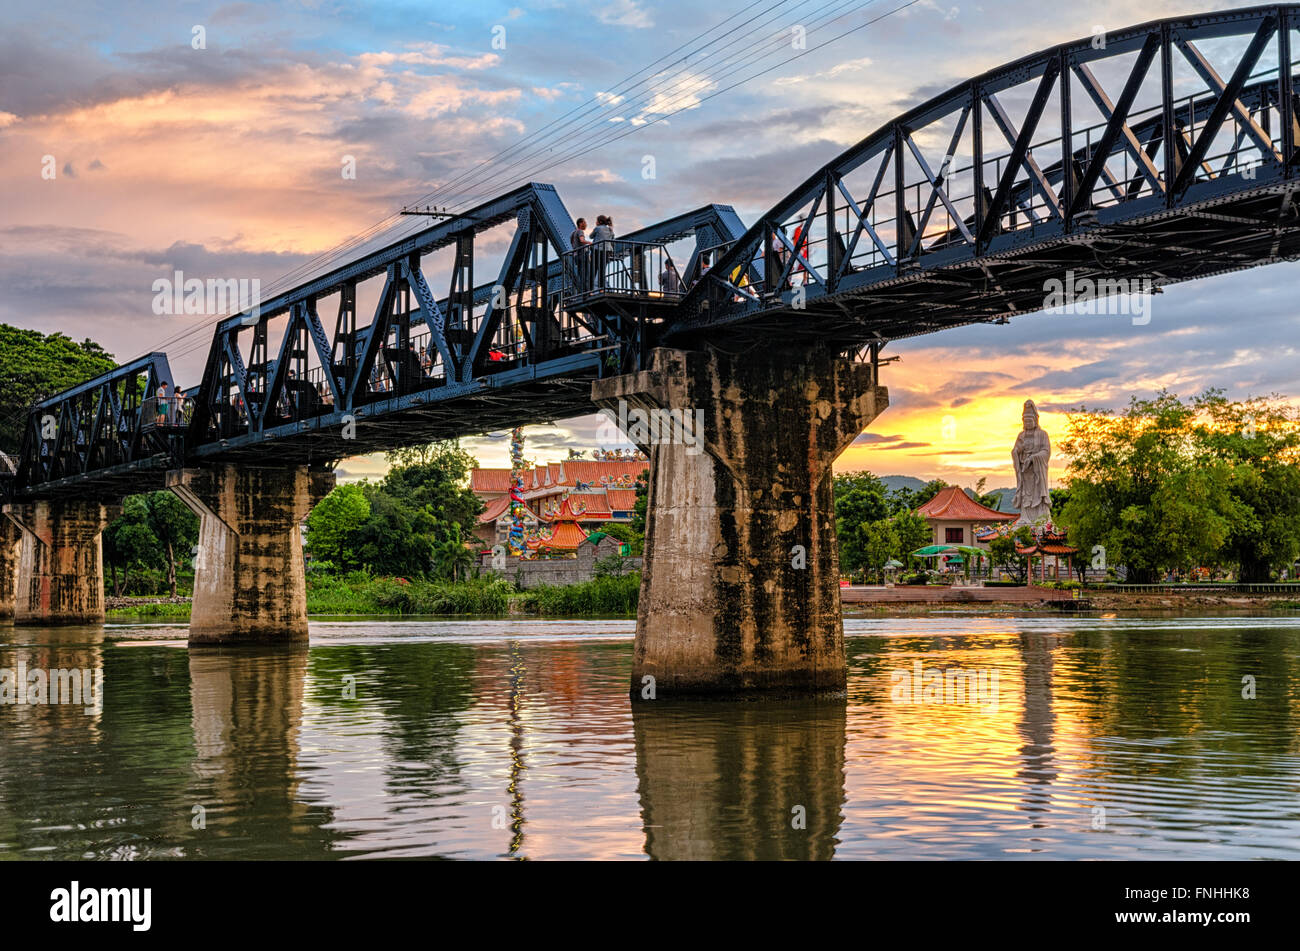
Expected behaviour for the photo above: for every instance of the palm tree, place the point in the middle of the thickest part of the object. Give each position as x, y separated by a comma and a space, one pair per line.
452, 557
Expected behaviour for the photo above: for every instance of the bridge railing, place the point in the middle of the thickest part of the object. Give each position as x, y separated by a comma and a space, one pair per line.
166, 412
622, 269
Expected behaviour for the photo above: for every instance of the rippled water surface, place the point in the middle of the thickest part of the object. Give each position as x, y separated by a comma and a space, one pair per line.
1096, 738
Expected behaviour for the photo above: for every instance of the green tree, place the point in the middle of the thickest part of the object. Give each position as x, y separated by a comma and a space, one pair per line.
35, 365
912, 532
1259, 441
413, 521
128, 543
452, 559
1139, 487
333, 525
860, 500
398, 538
1003, 554
1060, 498
877, 542
155, 531
435, 479
175, 530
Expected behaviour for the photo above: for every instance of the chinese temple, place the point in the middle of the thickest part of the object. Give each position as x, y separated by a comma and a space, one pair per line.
1049, 547
562, 502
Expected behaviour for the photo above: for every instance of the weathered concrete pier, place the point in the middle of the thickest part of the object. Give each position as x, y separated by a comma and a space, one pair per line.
741, 589
249, 585
60, 571
11, 538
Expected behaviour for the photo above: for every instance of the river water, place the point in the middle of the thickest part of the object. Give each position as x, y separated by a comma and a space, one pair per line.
1099, 738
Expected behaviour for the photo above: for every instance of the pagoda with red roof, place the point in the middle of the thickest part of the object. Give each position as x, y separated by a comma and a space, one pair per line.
955, 517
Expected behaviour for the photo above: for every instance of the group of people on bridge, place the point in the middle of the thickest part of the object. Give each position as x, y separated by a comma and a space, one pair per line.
595, 254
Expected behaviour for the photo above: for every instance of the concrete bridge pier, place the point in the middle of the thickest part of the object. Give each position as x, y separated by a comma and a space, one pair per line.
11, 539
60, 565
249, 585
740, 595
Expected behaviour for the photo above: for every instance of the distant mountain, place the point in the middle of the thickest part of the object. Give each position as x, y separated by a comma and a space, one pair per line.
895, 482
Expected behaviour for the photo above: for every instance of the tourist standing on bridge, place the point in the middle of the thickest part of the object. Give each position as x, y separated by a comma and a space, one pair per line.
602, 239
670, 282
582, 260
603, 233
579, 237
162, 404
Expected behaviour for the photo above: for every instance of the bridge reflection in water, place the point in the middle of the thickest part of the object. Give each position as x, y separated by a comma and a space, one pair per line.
459, 742
755, 781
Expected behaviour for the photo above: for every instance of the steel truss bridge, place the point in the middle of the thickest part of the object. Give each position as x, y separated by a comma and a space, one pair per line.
1143, 157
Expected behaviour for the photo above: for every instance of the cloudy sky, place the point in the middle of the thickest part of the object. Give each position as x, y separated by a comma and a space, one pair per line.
225, 160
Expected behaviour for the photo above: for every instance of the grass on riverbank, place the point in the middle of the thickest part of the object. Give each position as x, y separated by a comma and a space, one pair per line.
358, 593
151, 609
601, 596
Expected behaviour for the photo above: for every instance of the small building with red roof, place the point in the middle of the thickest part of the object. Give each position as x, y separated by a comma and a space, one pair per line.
954, 518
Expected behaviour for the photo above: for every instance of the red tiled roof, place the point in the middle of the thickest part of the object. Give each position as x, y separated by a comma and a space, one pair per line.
577, 505
588, 503
593, 471
500, 506
1047, 549
564, 535
955, 505
621, 500
489, 480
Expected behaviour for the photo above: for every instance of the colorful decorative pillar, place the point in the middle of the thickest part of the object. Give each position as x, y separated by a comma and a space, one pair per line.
515, 540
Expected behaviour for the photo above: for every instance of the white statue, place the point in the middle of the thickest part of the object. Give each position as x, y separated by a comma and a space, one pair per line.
1029, 456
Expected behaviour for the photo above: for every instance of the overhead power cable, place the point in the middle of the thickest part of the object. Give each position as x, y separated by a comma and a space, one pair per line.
485, 174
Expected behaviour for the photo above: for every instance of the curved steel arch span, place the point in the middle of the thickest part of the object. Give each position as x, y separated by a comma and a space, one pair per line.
1147, 156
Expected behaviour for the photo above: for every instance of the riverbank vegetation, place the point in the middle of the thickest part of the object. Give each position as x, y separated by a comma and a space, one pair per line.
1206, 487
413, 523
606, 595
361, 594
1170, 485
